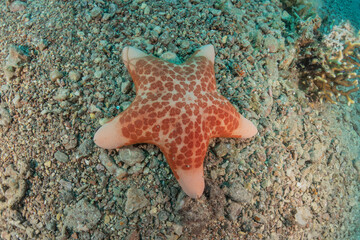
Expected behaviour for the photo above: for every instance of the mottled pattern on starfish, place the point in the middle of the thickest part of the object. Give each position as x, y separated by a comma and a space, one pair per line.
177, 108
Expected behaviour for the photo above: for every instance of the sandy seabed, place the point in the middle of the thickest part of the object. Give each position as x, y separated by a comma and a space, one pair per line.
62, 74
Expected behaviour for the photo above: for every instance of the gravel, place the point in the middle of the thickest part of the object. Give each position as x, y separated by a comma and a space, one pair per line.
62, 75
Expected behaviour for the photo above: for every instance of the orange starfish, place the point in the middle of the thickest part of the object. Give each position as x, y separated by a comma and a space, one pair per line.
177, 108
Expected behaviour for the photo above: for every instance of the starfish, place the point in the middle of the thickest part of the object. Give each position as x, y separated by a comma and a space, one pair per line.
177, 108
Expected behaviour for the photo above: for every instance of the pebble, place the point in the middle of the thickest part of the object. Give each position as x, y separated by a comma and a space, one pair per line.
239, 194
61, 157
13, 186
318, 151
271, 43
55, 75
5, 117
125, 105
16, 101
147, 10
135, 200
61, 94
74, 75
125, 86
356, 164
85, 149
69, 141
47, 164
82, 217
98, 74
221, 149
178, 229
233, 211
303, 215
42, 44
157, 29
137, 168
185, 44
111, 166
170, 57
66, 196
18, 55
17, 6
163, 215
131, 155
66, 185
96, 12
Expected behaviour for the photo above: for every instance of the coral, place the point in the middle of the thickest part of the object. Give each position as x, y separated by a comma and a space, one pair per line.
332, 75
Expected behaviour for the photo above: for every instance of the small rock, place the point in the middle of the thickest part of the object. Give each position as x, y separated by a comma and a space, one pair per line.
239, 194
61, 157
17, 6
137, 168
51, 225
303, 215
18, 55
125, 105
47, 164
9, 72
271, 43
16, 101
42, 44
85, 149
178, 229
13, 185
222, 149
5, 117
163, 215
317, 151
259, 218
96, 12
285, 16
98, 74
69, 141
131, 155
82, 217
30, 232
185, 44
135, 200
66, 185
62, 94
147, 10
111, 166
356, 164
66, 196
125, 87
74, 75
170, 57
233, 211
55, 75
215, 12
106, 17
157, 29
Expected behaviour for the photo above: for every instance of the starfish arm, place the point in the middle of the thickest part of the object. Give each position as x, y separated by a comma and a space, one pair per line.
245, 129
129, 54
206, 51
223, 120
110, 135
186, 162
